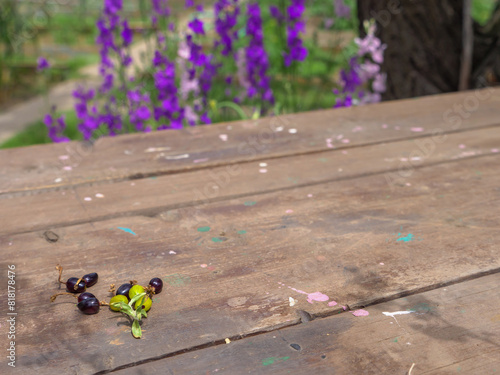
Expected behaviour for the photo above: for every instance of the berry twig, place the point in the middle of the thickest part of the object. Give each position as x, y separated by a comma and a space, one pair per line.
53, 298
60, 269
135, 315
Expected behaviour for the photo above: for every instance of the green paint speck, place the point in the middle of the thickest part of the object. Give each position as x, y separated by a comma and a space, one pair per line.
395, 340
250, 203
271, 360
242, 231
203, 229
177, 280
422, 308
217, 239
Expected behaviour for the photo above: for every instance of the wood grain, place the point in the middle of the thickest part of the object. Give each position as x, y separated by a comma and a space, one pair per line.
230, 267
135, 156
398, 161
452, 330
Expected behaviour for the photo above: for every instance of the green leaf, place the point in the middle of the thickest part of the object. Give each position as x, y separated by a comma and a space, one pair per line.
144, 314
124, 308
136, 297
136, 329
139, 310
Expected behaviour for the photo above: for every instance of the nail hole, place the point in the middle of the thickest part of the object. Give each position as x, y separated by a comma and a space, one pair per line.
295, 346
323, 356
51, 236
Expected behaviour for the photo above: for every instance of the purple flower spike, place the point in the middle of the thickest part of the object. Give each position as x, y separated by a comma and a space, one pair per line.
296, 49
226, 19
256, 59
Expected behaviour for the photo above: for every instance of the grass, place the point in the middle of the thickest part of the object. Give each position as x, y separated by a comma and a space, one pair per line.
36, 133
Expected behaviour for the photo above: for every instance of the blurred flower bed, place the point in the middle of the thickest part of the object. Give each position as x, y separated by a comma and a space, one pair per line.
229, 60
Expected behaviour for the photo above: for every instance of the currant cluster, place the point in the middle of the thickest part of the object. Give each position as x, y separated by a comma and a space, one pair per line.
87, 302
131, 299
128, 291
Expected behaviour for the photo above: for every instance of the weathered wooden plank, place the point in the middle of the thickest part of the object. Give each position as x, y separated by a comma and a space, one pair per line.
133, 156
230, 267
149, 196
451, 330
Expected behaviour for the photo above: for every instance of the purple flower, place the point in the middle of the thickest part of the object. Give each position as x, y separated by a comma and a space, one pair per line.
296, 9
112, 7
190, 115
159, 59
112, 121
142, 113
55, 129
378, 84
371, 45
189, 3
160, 9
127, 34
205, 119
350, 79
276, 13
197, 26
341, 9
329, 22
42, 64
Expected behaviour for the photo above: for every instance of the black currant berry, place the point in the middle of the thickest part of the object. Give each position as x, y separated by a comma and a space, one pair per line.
156, 283
84, 296
72, 281
90, 279
123, 290
89, 306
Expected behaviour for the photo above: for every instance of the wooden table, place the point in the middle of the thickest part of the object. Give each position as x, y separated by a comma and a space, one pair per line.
275, 238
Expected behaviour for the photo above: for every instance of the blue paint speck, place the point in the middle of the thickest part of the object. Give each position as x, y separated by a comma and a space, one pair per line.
127, 230
408, 238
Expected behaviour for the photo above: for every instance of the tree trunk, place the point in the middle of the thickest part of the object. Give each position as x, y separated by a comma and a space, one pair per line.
424, 44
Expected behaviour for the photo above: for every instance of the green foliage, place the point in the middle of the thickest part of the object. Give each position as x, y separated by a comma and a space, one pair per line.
482, 10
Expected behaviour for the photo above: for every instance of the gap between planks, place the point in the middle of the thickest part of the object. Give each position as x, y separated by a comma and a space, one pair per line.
374, 302
259, 157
